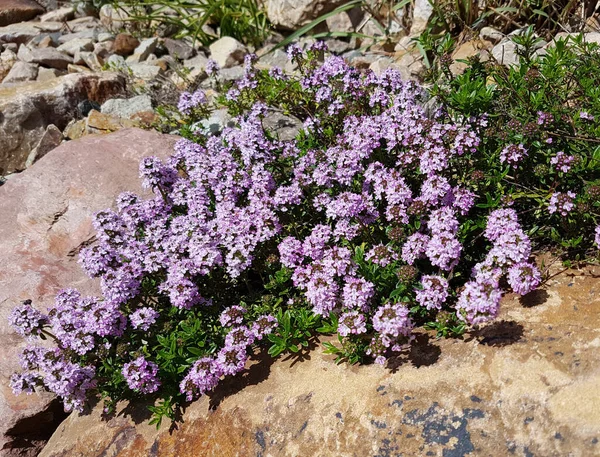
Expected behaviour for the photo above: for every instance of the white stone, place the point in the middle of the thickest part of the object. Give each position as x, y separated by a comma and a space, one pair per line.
145, 48
227, 52
21, 71
127, 107
78, 44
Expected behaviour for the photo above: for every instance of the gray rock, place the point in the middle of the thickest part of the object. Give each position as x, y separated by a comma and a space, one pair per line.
422, 12
44, 40
90, 59
25, 31
227, 52
78, 44
73, 68
340, 22
7, 59
92, 34
50, 140
217, 121
193, 70
112, 18
46, 74
505, 53
116, 62
127, 107
231, 74
27, 109
105, 36
284, 127
60, 15
277, 58
145, 71
21, 71
14, 47
145, 48
178, 49
48, 57
82, 24
293, 14
103, 50
491, 34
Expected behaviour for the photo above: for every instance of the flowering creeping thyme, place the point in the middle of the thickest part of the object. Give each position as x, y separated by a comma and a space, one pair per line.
373, 220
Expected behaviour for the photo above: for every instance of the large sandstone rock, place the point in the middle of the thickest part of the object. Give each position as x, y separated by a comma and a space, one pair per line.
293, 14
526, 385
26, 110
46, 218
12, 11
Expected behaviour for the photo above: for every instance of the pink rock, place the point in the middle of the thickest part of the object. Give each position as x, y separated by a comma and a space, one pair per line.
46, 219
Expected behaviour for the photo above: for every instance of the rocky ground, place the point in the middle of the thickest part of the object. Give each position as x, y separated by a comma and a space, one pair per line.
526, 387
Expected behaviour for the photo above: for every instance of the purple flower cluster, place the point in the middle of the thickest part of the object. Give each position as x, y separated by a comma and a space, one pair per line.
513, 154
141, 375
561, 203
562, 161
188, 101
27, 320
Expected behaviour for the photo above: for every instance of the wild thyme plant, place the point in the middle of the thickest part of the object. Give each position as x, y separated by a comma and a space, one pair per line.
375, 220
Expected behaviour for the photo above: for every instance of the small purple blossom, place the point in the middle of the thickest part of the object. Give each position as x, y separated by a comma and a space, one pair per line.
141, 375
562, 161
523, 278
433, 292
513, 154
561, 203
143, 318
27, 320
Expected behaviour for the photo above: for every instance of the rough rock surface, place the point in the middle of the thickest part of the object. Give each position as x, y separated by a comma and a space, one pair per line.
526, 385
227, 51
12, 11
26, 110
46, 218
293, 14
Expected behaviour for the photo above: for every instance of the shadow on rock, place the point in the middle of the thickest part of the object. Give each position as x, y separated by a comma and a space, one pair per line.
535, 298
251, 376
502, 333
422, 353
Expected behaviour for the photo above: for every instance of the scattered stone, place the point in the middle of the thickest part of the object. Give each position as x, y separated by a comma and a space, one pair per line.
127, 107
491, 34
45, 39
48, 57
125, 44
469, 49
98, 122
217, 121
113, 18
47, 218
338, 47
60, 15
86, 106
145, 71
75, 129
7, 60
91, 60
74, 68
85, 23
27, 109
340, 22
106, 36
381, 64
13, 11
46, 74
50, 140
285, 127
145, 48
104, 49
231, 74
46, 42
277, 58
73, 36
178, 49
293, 14
422, 11
21, 71
117, 63
227, 52
14, 47
505, 53
78, 44
24, 32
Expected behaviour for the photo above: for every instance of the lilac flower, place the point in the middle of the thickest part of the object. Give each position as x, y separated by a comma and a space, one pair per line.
415, 247
203, 377
234, 315
381, 255
24, 382
240, 336
290, 252
212, 67
143, 318
443, 250
523, 278
231, 360
188, 101
433, 292
263, 325
597, 236
499, 222
562, 161
561, 203
357, 293
586, 115
393, 321
352, 322
478, 302
141, 375
27, 320
513, 154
